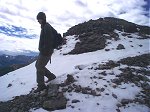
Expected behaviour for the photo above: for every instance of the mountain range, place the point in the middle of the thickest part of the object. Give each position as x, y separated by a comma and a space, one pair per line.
10, 63
103, 67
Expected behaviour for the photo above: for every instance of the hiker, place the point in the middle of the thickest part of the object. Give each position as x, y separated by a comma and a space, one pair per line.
45, 52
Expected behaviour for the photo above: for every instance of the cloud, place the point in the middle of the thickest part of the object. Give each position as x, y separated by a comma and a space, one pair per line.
5, 18
23, 12
81, 3
9, 43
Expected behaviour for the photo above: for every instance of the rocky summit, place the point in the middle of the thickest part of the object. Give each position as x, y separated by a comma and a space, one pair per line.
93, 34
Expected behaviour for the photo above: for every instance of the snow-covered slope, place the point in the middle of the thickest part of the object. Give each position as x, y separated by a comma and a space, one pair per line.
21, 81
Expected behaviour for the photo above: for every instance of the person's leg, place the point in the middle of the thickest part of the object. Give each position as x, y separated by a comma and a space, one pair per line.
49, 74
41, 69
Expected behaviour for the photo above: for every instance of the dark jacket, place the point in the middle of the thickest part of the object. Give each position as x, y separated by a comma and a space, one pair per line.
46, 40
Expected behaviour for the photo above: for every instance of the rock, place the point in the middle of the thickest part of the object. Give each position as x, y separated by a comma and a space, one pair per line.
102, 67
146, 86
115, 96
43, 93
116, 81
118, 110
55, 104
120, 46
70, 88
70, 79
14, 110
64, 89
106, 93
118, 105
98, 89
141, 61
104, 73
126, 101
53, 90
60, 95
78, 89
5, 106
112, 64
84, 91
9, 85
102, 89
114, 85
107, 49
89, 43
125, 34
80, 67
93, 92
75, 101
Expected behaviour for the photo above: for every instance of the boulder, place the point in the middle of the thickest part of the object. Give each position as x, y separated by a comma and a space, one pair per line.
55, 104
120, 46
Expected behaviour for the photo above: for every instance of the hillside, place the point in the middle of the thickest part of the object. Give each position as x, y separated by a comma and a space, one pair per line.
101, 68
10, 63
93, 35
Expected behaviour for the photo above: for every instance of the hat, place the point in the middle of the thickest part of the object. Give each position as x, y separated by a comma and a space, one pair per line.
41, 15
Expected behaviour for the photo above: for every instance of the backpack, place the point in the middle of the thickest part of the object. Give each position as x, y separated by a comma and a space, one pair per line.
58, 39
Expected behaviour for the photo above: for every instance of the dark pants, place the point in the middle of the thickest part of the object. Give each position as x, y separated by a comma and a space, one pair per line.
41, 70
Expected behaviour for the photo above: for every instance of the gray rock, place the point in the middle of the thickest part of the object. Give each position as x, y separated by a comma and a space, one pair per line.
126, 101
102, 89
115, 96
70, 79
55, 104
93, 92
75, 101
52, 90
120, 46
14, 110
78, 89
146, 86
9, 85
80, 67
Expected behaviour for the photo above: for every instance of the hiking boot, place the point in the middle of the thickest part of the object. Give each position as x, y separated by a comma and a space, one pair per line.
40, 88
52, 77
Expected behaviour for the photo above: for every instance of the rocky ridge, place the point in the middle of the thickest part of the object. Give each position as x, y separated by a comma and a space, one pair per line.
93, 34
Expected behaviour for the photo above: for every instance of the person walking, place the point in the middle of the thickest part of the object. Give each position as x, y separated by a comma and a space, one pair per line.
45, 52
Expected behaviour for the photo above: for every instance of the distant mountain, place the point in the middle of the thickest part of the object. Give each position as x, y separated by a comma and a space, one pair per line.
10, 63
15, 53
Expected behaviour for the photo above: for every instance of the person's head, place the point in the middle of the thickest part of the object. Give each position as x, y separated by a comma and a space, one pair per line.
41, 17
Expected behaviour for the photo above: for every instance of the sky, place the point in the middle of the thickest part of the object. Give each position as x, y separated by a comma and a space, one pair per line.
63, 14
24, 79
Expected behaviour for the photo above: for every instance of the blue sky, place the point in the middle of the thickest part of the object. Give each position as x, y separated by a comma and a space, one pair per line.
63, 14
